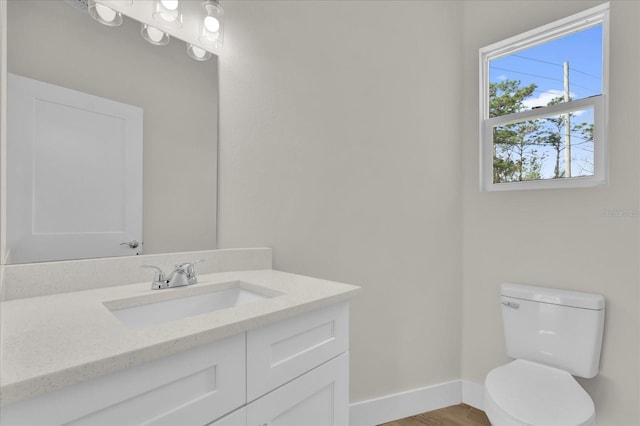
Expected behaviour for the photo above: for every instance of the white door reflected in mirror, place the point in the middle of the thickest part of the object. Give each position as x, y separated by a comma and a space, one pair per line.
75, 179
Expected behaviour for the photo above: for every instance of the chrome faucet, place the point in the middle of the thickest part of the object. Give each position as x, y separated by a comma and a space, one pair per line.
183, 274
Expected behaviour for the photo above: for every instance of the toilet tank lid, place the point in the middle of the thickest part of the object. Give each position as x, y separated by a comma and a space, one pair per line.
576, 299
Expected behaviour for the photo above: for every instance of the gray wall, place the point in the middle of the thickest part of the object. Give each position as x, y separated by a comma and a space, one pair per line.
340, 132
57, 43
349, 134
557, 237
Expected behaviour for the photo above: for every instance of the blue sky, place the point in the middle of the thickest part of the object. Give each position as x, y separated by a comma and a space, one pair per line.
543, 65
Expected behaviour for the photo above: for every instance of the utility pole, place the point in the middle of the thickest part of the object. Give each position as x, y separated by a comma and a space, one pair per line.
567, 125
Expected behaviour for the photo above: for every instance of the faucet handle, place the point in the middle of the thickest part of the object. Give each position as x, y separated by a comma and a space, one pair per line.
188, 266
159, 279
159, 276
187, 269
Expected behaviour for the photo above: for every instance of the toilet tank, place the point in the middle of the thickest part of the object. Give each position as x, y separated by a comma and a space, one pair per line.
558, 328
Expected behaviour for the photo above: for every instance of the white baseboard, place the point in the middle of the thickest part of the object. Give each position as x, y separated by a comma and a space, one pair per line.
409, 403
472, 394
404, 404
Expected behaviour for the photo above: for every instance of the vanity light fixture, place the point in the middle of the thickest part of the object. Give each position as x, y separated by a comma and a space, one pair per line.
161, 19
154, 35
168, 13
197, 53
103, 14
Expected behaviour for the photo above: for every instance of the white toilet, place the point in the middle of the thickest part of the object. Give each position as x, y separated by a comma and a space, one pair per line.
553, 335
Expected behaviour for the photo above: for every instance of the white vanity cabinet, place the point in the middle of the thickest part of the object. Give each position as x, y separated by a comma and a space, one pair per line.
292, 372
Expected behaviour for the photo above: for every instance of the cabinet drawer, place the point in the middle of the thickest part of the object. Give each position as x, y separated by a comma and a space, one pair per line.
188, 388
283, 351
318, 398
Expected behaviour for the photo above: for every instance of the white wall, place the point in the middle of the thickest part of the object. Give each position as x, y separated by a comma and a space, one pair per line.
557, 237
349, 145
54, 42
340, 149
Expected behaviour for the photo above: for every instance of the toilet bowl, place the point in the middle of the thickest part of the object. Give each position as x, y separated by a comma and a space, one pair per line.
552, 335
527, 393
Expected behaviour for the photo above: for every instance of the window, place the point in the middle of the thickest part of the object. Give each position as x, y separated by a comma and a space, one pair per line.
543, 106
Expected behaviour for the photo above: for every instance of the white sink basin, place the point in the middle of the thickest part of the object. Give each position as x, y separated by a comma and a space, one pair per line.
152, 313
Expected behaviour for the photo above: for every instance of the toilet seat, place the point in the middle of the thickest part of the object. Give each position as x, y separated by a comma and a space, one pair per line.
526, 393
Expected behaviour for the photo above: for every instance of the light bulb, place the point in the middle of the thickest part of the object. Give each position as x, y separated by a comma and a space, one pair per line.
211, 33
167, 13
155, 34
211, 24
198, 53
105, 12
170, 4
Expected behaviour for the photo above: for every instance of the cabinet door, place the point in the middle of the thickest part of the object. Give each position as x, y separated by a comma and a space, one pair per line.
318, 398
283, 351
192, 387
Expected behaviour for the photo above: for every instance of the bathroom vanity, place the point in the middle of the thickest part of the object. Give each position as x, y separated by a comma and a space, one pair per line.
279, 356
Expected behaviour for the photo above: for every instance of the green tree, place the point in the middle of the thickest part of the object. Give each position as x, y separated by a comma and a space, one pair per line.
514, 158
551, 134
506, 97
586, 131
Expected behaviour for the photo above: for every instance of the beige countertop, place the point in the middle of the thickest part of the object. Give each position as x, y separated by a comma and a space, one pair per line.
53, 341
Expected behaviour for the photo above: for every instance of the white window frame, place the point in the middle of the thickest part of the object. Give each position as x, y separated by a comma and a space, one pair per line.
563, 27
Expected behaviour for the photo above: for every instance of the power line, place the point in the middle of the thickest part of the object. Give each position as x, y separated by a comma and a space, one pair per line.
539, 76
581, 137
557, 65
524, 73
543, 144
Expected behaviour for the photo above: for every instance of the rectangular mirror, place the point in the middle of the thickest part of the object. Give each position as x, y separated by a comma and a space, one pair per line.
57, 42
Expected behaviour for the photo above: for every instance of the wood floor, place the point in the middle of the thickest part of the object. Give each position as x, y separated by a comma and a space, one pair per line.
455, 415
